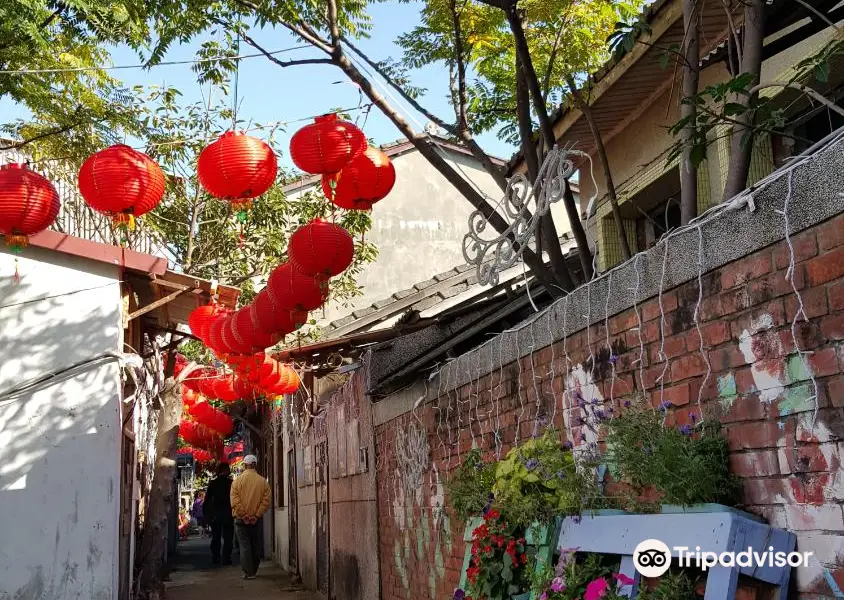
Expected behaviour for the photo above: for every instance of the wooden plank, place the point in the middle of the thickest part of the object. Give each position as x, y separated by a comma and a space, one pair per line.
152, 306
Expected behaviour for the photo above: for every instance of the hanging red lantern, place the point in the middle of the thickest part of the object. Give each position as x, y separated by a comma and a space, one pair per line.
237, 167
292, 383
224, 389
326, 145
321, 248
29, 203
201, 318
244, 389
215, 339
268, 317
248, 334
363, 182
291, 289
121, 182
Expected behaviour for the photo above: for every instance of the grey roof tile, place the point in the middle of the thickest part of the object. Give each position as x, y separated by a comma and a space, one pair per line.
340, 322
425, 284
428, 302
404, 293
445, 275
384, 302
360, 313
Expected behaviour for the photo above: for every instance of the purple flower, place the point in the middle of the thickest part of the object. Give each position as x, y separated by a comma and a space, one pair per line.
595, 401
686, 429
626, 403
623, 579
561, 475
693, 417
544, 596
665, 405
531, 464
568, 445
600, 414
597, 588
610, 409
577, 394
557, 585
459, 594
581, 403
613, 358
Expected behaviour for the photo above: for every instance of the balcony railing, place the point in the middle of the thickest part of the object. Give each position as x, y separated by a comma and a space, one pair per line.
78, 219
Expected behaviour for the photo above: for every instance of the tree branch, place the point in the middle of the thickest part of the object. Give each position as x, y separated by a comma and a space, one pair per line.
278, 61
814, 94
333, 24
462, 120
471, 144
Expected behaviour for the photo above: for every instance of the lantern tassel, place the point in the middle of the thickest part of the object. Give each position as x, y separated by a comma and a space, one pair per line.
17, 242
17, 276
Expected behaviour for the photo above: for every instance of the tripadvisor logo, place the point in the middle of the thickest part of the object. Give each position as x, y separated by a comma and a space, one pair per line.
652, 558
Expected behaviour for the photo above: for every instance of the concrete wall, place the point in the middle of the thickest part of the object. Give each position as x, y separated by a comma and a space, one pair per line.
60, 442
306, 518
419, 228
717, 335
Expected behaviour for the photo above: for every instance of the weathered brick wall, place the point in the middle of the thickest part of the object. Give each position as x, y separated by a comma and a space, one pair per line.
786, 446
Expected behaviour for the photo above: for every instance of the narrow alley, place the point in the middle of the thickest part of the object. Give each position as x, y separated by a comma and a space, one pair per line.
195, 578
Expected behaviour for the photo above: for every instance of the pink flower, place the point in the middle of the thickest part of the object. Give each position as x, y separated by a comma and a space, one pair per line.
596, 589
557, 585
623, 579
544, 596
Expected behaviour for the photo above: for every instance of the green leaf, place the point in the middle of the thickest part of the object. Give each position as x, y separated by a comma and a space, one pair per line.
734, 108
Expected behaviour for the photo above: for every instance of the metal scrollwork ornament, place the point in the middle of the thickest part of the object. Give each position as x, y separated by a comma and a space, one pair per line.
495, 255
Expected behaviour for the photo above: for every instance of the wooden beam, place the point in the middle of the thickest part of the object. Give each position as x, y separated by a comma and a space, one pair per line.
152, 306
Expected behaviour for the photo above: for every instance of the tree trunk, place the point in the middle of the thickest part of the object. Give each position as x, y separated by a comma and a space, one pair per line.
584, 107
691, 74
561, 270
161, 497
742, 142
547, 129
432, 155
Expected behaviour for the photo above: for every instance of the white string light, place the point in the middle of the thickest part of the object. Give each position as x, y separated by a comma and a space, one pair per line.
697, 316
538, 401
801, 310
552, 374
607, 332
662, 354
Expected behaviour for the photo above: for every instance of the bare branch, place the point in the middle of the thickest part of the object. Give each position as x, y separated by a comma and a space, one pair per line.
283, 63
820, 15
333, 24
815, 95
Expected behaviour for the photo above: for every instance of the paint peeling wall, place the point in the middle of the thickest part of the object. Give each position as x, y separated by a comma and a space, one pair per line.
60, 443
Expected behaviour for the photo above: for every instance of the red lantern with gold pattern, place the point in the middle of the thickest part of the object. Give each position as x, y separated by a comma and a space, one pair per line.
326, 145
121, 182
29, 203
293, 290
237, 167
321, 248
363, 182
215, 339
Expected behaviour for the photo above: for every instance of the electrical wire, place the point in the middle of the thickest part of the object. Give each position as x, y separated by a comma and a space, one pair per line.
148, 66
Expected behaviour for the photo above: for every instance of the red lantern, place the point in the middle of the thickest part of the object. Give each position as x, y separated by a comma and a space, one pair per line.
201, 319
28, 204
291, 289
267, 317
292, 381
363, 182
248, 334
244, 389
326, 145
237, 167
321, 248
224, 389
189, 396
121, 182
215, 339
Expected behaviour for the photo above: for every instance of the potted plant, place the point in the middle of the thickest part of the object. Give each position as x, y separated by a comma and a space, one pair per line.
499, 558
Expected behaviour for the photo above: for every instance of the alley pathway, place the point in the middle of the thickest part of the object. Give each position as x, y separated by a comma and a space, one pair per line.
194, 578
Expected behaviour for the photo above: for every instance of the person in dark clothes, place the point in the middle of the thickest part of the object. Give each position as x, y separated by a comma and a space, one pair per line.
218, 512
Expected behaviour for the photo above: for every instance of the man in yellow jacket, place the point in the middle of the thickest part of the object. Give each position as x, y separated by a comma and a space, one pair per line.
250, 498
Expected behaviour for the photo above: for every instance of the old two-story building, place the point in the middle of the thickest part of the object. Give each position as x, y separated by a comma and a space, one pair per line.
635, 100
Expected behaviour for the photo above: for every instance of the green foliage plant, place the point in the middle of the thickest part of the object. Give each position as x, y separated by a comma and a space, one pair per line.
499, 565
540, 480
469, 487
685, 465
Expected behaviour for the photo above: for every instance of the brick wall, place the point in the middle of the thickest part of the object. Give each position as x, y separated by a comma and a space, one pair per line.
786, 447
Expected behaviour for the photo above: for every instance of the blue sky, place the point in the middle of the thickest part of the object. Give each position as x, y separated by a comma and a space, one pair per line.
269, 93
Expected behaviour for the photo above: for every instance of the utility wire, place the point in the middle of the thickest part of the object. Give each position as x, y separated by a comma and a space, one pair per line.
146, 66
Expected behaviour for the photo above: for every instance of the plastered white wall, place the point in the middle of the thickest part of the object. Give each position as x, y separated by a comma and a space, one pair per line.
59, 444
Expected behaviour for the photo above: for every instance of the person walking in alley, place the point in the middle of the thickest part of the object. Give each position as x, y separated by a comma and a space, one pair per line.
196, 511
250, 499
217, 509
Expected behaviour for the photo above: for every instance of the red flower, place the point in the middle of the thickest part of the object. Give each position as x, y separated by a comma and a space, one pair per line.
524, 559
